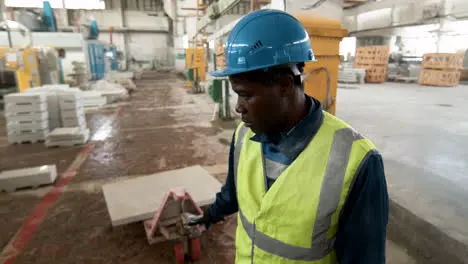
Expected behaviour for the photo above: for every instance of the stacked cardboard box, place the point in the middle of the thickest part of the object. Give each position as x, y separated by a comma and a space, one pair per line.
441, 69
27, 117
220, 57
374, 59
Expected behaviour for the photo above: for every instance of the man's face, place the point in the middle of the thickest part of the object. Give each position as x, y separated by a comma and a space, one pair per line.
260, 106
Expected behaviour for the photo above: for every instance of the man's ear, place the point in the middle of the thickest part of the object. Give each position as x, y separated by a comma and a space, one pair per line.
286, 85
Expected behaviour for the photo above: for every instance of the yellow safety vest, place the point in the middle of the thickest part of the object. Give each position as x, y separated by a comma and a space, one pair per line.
296, 220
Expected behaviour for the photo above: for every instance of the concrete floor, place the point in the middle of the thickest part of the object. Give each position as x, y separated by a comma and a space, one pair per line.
422, 133
161, 128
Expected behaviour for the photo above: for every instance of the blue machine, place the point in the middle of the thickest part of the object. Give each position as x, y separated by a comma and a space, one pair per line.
94, 48
94, 30
96, 52
96, 59
48, 17
112, 55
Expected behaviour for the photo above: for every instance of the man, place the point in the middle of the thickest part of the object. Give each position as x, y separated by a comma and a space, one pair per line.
306, 186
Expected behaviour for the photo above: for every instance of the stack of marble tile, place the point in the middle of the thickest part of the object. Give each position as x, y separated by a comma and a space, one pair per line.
74, 130
67, 137
92, 100
26, 117
72, 111
52, 93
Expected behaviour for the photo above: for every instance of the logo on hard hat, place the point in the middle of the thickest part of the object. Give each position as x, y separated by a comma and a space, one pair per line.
241, 60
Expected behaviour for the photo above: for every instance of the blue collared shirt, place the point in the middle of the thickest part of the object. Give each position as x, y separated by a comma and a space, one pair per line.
362, 226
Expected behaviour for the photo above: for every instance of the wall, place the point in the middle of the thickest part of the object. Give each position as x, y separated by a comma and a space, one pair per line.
184, 28
139, 35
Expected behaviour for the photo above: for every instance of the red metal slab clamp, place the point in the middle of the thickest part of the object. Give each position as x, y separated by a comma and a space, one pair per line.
170, 222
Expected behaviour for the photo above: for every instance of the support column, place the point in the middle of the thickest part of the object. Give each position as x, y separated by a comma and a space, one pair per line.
123, 7
446, 7
2, 10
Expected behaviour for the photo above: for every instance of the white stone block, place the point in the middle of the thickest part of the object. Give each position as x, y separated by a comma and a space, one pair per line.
26, 132
137, 199
27, 116
33, 125
24, 97
75, 122
70, 104
62, 139
25, 107
75, 112
74, 117
71, 97
68, 133
54, 123
90, 94
29, 177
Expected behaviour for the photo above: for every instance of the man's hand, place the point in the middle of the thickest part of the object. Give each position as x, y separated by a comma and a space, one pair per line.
204, 220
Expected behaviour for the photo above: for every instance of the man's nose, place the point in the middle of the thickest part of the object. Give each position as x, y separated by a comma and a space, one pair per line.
240, 105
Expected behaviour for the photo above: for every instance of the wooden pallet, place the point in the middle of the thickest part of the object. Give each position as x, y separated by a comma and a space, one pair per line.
372, 55
443, 61
464, 74
443, 78
374, 73
219, 50
220, 61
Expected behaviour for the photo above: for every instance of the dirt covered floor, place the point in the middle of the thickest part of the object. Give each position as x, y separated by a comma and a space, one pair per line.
162, 127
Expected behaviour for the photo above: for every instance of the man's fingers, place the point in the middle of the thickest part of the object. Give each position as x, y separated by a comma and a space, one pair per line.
195, 220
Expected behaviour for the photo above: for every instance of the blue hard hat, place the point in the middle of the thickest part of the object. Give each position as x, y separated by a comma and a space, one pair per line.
263, 39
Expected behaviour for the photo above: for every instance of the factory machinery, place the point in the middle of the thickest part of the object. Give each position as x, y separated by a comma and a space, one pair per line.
25, 67
40, 59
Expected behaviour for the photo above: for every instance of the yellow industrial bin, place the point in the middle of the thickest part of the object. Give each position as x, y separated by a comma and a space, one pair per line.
199, 62
321, 80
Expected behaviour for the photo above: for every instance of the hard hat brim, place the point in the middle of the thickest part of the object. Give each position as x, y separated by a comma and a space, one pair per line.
226, 72
229, 71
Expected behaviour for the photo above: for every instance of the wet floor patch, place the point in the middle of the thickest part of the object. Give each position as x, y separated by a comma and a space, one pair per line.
151, 151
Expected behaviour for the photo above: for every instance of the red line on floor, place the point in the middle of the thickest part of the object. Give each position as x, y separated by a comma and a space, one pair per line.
30, 226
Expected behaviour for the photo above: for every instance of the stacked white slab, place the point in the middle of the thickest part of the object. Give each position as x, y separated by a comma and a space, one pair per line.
351, 75
29, 177
72, 111
110, 90
27, 117
67, 137
53, 105
92, 100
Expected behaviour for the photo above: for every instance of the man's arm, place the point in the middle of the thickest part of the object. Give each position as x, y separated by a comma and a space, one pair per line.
362, 227
226, 200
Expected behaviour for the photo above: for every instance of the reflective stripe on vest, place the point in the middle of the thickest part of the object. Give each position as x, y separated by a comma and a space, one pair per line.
330, 192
